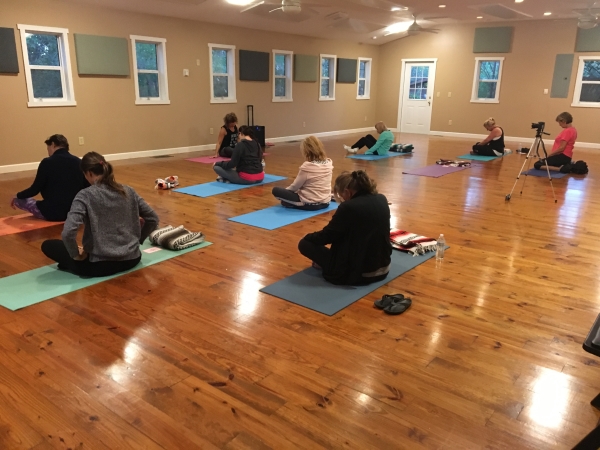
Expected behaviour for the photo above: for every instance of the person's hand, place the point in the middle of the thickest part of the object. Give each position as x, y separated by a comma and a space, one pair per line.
12, 203
82, 254
214, 156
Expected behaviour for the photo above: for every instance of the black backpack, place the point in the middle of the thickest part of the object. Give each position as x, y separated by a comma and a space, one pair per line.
579, 167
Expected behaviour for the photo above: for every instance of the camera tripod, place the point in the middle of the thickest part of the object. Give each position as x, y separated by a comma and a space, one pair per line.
534, 152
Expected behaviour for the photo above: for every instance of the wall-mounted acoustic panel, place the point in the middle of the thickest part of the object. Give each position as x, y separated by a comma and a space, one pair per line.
588, 40
102, 55
493, 40
254, 66
306, 68
346, 70
8, 51
563, 67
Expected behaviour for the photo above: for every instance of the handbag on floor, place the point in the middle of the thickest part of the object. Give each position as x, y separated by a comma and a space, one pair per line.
175, 238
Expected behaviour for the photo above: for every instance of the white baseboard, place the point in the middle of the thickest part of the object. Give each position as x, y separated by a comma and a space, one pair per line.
173, 151
525, 141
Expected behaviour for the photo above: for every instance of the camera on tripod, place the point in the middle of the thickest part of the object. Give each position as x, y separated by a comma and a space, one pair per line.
538, 126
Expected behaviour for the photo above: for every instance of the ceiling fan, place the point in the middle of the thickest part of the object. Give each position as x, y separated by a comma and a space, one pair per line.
285, 6
588, 19
411, 30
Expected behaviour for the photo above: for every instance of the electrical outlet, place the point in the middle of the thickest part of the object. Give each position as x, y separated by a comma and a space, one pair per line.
81, 141
545, 91
186, 72
197, 62
304, 124
449, 94
212, 131
450, 122
438, 94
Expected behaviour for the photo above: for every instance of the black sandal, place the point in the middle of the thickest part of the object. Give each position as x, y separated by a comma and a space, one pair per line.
398, 306
387, 300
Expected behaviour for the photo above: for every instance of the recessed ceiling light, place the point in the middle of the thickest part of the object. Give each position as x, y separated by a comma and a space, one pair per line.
480, 17
395, 8
442, 6
518, 1
374, 37
240, 2
547, 13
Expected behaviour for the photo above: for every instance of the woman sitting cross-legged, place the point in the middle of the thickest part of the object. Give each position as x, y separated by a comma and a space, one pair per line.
110, 213
245, 166
311, 190
359, 234
562, 150
493, 145
379, 146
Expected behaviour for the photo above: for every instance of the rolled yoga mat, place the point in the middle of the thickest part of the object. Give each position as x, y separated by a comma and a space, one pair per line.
35, 286
377, 157
435, 171
309, 289
478, 157
215, 188
279, 216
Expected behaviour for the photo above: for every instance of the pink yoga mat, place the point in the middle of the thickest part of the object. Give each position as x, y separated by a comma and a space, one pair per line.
434, 171
23, 222
209, 160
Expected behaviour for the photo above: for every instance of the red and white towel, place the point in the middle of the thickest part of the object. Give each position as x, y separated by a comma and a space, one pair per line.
412, 243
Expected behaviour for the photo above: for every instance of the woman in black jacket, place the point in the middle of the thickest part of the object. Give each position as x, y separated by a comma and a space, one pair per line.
359, 234
245, 166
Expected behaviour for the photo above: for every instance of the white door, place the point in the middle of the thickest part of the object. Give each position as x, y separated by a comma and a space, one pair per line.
416, 96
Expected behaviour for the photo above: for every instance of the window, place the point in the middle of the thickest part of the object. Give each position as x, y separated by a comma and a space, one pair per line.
282, 76
486, 84
150, 70
222, 73
327, 78
47, 66
587, 85
364, 78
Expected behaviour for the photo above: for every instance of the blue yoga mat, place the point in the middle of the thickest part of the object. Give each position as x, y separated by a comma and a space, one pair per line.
278, 216
544, 174
37, 285
215, 188
309, 289
478, 157
376, 157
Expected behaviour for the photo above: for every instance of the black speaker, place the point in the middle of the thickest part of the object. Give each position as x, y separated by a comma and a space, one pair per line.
259, 130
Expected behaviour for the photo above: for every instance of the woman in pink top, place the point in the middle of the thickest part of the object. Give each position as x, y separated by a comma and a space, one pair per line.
311, 190
562, 150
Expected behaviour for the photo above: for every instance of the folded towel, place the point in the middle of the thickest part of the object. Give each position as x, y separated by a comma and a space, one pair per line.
175, 238
412, 243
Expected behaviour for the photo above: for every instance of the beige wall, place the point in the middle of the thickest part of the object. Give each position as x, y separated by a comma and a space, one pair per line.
528, 70
110, 122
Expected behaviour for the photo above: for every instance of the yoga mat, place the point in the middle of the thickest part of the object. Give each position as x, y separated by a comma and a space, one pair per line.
35, 286
210, 160
309, 289
23, 222
478, 157
215, 188
544, 174
435, 171
376, 157
279, 216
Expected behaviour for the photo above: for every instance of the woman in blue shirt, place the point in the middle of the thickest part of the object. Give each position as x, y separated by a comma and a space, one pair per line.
379, 146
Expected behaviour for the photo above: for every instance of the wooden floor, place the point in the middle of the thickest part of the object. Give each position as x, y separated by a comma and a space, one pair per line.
189, 354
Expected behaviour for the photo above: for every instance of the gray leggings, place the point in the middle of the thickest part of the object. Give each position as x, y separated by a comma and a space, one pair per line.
232, 176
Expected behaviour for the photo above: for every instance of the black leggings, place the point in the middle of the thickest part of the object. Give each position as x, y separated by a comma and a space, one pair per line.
556, 161
367, 141
486, 150
292, 200
55, 249
226, 152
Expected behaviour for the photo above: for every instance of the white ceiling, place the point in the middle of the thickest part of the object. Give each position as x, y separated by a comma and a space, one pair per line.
353, 20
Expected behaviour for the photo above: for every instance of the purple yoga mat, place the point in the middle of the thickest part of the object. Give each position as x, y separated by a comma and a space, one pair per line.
434, 171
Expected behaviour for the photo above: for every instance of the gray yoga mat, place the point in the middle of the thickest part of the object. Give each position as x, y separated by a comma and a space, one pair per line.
308, 288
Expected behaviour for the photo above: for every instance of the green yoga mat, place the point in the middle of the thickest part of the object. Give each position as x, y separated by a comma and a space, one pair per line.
37, 285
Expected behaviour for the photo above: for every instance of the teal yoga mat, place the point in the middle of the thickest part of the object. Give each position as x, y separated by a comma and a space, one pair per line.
37, 285
377, 157
478, 157
215, 188
279, 216
309, 289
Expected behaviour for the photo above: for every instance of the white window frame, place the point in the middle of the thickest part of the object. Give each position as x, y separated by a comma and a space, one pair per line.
65, 66
579, 82
231, 84
367, 79
161, 63
332, 74
496, 99
288, 77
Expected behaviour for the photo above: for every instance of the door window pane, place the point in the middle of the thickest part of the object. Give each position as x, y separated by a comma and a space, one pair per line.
42, 50
280, 65
148, 85
46, 83
361, 87
219, 61
362, 73
324, 88
146, 56
221, 87
279, 87
325, 67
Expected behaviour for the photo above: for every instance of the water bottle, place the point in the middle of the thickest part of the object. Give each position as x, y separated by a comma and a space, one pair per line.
519, 147
441, 246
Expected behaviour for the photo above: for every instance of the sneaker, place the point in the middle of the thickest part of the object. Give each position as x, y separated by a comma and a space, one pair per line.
350, 149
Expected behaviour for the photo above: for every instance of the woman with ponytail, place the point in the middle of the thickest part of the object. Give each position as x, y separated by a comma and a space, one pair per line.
113, 231
493, 145
359, 234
